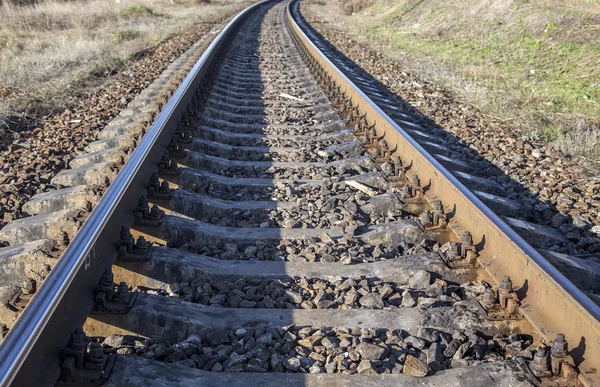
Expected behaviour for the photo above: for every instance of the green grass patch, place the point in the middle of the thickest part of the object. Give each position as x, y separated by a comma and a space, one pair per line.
137, 10
535, 72
107, 66
125, 35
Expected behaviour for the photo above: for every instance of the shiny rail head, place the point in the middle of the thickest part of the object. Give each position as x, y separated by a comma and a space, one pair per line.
554, 304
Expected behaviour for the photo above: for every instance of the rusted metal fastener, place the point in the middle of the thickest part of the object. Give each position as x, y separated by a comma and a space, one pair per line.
426, 218
165, 190
130, 252
110, 298
385, 150
372, 135
561, 362
453, 253
489, 298
84, 362
45, 271
504, 304
64, 239
126, 242
406, 192
142, 210
157, 189
506, 295
155, 213
122, 289
175, 148
466, 244
375, 153
414, 181
363, 122
167, 165
540, 365
141, 246
184, 134
153, 185
355, 114
439, 218
28, 286
96, 357
145, 216
398, 170
76, 347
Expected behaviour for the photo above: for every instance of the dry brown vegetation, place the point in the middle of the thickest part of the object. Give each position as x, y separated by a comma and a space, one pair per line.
53, 51
352, 6
532, 64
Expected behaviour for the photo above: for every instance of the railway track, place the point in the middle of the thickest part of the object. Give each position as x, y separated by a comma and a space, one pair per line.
274, 225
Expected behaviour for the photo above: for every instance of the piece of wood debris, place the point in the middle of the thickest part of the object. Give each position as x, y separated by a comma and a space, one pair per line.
285, 95
361, 187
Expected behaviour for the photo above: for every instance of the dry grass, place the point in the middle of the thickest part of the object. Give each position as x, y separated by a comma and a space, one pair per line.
532, 63
350, 7
52, 51
581, 140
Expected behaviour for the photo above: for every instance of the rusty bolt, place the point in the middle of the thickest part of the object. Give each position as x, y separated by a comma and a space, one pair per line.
164, 187
126, 234
154, 212
64, 239
143, 203
505, 286
414, 181
78, 339
405, 193
141, 242
154, 179
454, 251
426, 218
45, 270
560, 346
540, 366
558, 355
466, 240
28, 286
173, 166
383, 144
123, 289
489, 298
96, 353
107, 277
373, 134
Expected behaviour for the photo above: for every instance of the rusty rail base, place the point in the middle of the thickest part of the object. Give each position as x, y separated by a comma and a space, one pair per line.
551, 302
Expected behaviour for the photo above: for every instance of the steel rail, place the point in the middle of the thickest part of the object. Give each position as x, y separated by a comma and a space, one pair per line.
552, 303
29, 355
